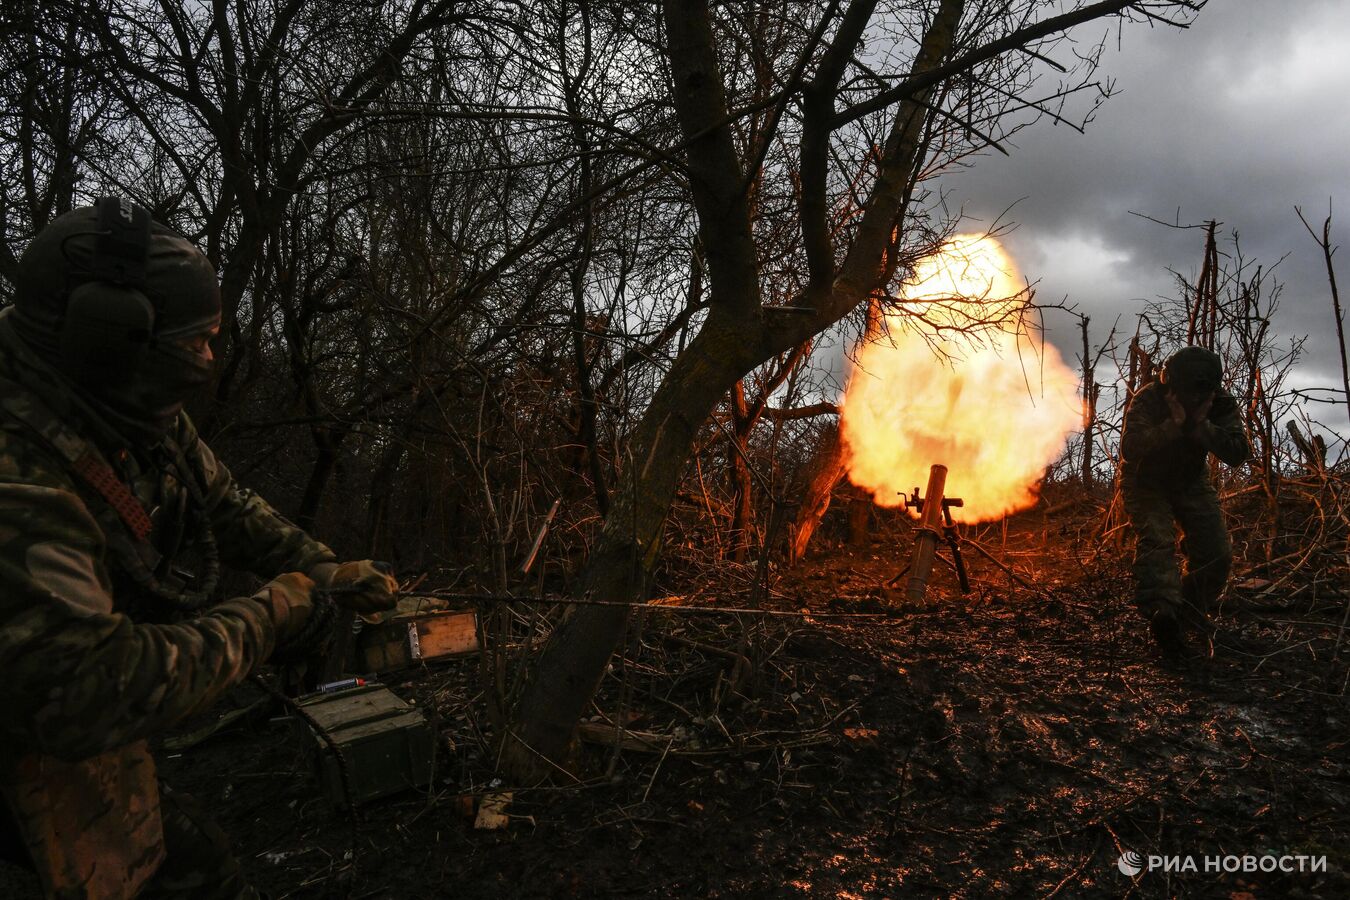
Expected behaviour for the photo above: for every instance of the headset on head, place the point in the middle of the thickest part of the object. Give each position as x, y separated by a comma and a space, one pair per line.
1163, 372
109, 321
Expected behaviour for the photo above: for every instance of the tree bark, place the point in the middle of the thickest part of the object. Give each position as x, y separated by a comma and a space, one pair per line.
1090, 394
827, 470
830, 464
742, 485
328, 442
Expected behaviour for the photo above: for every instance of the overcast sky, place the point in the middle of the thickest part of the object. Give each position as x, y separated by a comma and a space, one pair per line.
1239, 118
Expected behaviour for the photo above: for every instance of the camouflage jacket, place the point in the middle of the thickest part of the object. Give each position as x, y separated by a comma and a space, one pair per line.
1154, 450
89, 668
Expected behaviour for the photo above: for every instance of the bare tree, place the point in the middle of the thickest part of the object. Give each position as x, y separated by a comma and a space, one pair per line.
842, 270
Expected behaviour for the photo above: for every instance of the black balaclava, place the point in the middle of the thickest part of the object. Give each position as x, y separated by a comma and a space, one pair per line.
137, 378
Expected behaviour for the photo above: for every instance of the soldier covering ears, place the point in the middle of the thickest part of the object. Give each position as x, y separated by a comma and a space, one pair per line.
1171, 427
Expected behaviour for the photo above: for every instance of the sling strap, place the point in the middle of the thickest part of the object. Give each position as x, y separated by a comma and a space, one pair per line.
100, 476
83, 460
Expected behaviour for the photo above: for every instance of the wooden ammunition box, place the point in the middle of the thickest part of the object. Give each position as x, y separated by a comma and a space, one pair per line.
386, 745
407, 639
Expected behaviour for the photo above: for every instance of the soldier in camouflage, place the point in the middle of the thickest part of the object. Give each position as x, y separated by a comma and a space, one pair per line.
106, 495
1171, 427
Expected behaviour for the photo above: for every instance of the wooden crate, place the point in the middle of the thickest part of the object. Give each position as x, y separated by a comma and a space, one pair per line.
408, 639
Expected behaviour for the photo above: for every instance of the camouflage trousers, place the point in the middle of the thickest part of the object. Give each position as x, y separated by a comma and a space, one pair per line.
197, 859
1154, 513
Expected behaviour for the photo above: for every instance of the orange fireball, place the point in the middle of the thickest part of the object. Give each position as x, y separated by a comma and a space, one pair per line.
955, 378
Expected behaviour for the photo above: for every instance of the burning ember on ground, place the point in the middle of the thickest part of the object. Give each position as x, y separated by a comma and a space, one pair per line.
957, 376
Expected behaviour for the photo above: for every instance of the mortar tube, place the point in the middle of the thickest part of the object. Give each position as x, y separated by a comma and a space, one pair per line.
930, 533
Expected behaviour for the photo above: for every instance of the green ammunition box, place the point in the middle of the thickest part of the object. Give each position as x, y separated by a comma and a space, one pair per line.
386, 744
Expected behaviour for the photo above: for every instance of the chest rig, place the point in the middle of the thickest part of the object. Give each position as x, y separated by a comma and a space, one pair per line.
144, 547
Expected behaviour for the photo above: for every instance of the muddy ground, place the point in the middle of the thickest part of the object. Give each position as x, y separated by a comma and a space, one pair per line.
1008, 743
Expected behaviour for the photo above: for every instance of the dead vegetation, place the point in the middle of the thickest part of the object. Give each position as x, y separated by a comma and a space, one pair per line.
817, 740
1010, 742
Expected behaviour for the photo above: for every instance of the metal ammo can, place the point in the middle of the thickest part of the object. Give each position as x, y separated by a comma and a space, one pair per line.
386, 744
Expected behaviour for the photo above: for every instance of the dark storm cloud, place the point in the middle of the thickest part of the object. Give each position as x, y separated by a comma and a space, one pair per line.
1239, 118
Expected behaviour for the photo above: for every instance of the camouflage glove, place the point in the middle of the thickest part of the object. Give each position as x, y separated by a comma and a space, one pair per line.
291, 601
364, 586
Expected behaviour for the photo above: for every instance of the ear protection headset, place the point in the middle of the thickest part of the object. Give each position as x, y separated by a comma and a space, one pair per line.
109, 321
1168, 375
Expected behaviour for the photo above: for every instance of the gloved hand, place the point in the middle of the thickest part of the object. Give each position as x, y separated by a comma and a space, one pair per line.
290, 599
364, 586
1176, 412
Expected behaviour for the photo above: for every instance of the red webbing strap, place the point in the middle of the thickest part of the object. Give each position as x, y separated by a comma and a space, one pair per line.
99, 476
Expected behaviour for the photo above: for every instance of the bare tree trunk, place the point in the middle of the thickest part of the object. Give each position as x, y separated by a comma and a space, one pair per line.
1203, 319
827, 470
1312, 449
1090, 391
742, 486
831, 462
328, 441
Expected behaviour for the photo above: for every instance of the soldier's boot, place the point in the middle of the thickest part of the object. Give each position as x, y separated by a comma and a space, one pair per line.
1209, 558
1193, 619
1199, 590
1167, 634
